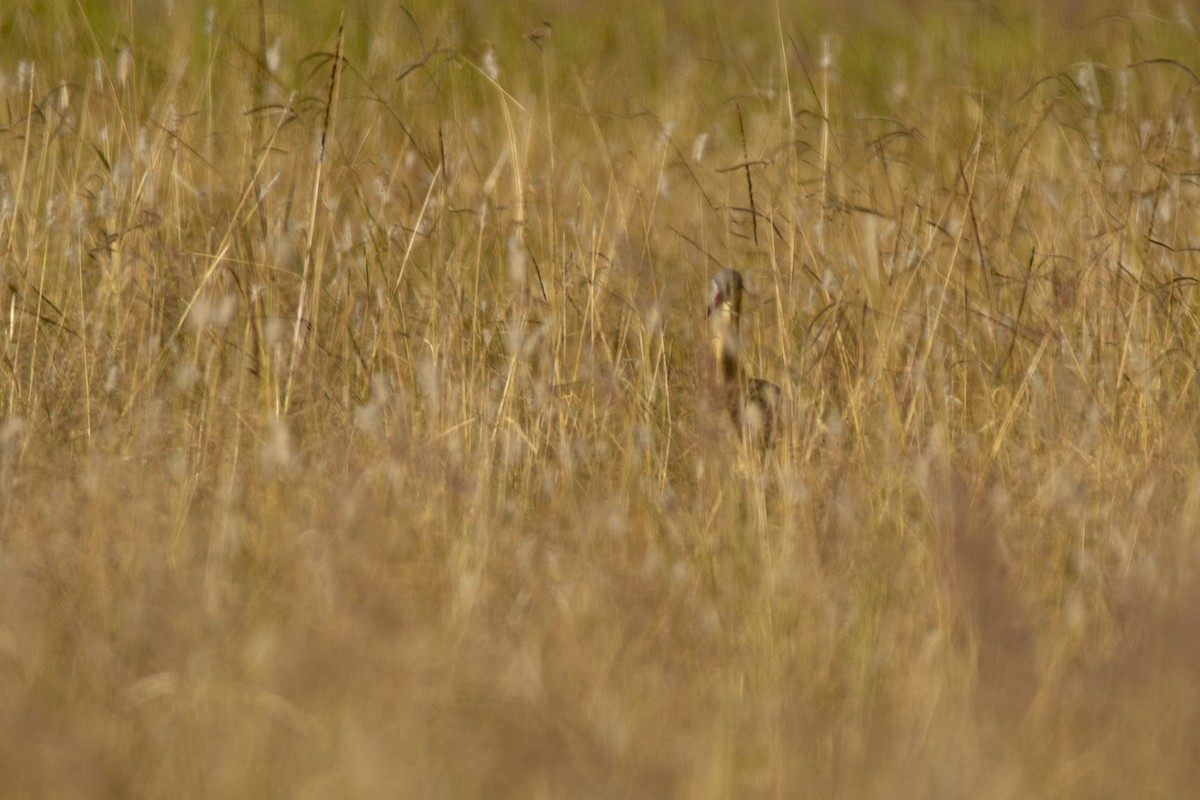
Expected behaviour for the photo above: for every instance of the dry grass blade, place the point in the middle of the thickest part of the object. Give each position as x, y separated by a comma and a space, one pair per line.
360, 432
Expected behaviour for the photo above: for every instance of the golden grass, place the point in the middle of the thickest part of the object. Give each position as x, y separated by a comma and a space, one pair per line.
355, 437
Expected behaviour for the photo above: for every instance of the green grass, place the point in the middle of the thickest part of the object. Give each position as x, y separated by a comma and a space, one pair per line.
398, 471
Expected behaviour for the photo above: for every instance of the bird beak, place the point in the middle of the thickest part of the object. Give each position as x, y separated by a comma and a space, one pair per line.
714, 302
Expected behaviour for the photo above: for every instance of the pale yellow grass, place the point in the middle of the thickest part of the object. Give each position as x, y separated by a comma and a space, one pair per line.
393, 472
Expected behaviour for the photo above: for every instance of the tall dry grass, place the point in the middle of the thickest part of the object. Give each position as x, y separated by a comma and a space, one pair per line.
356, 437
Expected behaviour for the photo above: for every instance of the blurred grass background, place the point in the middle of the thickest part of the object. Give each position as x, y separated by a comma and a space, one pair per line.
355, 427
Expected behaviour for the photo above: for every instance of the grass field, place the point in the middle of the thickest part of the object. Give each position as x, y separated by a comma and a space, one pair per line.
357, 433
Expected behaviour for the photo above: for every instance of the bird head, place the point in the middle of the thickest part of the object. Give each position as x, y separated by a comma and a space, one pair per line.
725, 296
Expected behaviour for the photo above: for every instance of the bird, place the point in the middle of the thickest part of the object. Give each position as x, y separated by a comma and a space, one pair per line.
752, 403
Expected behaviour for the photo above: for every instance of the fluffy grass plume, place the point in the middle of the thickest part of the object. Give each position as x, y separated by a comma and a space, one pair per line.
357, 432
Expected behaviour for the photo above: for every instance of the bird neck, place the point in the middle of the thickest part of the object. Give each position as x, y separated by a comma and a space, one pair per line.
723, 326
